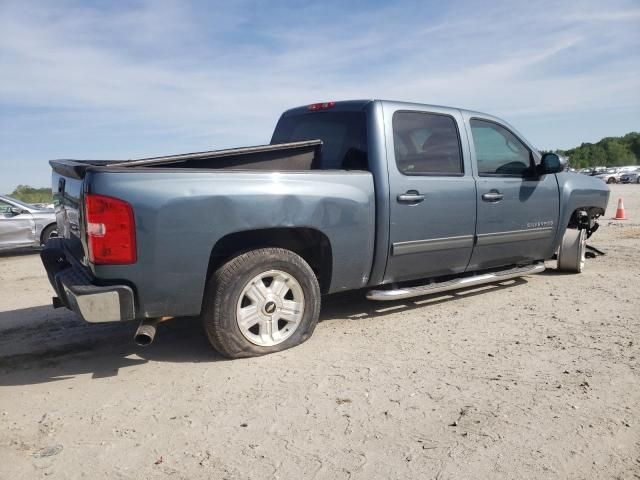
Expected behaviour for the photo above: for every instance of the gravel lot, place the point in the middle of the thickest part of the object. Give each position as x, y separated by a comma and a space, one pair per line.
533, 378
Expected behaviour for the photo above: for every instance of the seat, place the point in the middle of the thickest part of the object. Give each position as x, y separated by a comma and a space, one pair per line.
441, 153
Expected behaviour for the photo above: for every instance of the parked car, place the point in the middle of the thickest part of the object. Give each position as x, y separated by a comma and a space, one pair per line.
592, 171
630, 176
399, 198
24, 225
610, 175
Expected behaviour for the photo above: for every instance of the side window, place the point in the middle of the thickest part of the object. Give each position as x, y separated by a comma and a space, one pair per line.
5, 208
426, 144
498, 151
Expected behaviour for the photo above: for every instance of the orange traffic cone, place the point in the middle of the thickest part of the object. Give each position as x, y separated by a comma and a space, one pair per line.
620, 211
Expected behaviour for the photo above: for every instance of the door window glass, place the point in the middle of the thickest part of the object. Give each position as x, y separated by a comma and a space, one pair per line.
426, 144
498, 151
5, 208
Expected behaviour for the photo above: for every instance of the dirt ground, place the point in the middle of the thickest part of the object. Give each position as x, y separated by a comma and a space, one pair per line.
533, 378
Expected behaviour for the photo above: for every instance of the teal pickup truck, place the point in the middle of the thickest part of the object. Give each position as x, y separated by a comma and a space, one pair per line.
399, 199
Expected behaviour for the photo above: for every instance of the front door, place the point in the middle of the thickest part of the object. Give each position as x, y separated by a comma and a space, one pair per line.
432, 194
517, 210
15, 230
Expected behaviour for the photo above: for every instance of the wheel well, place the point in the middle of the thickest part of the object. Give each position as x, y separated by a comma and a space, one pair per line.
311, 244
585, 219
592, 212
44, 229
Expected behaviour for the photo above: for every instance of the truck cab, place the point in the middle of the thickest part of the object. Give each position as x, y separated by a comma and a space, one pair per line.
460, 190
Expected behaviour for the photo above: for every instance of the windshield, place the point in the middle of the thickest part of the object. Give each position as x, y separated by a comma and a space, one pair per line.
28, 206
22, 204
343, 135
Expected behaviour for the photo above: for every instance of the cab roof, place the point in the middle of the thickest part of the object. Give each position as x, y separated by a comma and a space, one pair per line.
357, 105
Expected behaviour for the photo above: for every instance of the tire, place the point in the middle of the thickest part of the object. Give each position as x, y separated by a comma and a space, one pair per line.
49, 232
571, 255
611, 180
262, 301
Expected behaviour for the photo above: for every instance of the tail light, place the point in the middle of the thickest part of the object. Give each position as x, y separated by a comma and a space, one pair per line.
111, 230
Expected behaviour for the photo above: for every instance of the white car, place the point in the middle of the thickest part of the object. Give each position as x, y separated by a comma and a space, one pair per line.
25, 225
610, 175
631, 177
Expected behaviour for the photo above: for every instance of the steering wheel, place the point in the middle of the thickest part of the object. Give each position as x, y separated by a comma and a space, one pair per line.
512, 168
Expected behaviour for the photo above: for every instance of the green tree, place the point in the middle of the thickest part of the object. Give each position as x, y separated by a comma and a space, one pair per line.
610, 151
29, 194
619, 154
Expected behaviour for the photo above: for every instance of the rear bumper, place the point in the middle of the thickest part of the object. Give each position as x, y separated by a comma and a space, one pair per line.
77, 291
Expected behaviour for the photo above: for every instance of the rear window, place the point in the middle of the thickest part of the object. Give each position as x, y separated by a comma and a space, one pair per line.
343, 135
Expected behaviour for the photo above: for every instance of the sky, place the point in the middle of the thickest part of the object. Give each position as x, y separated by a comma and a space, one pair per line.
134, 79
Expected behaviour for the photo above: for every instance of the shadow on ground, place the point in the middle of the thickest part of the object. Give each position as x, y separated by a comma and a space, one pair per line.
39, 344
20, 252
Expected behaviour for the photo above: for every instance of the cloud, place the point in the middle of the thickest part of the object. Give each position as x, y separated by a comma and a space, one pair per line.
134, 79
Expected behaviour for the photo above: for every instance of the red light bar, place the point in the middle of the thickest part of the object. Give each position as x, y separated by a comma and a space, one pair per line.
321, 106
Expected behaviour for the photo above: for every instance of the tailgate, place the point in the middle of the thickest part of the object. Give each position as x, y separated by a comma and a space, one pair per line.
67, 186
67, 198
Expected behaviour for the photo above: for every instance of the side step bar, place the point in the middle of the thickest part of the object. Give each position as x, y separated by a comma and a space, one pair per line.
437, 287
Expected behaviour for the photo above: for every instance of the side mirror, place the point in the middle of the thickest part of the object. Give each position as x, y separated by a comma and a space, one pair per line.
16, 210
550, 163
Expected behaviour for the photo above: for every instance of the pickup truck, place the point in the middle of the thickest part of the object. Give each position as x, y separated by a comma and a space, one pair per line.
400, 199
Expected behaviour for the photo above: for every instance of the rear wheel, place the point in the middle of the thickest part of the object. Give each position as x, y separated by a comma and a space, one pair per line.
611, 180
260, 302
571, 255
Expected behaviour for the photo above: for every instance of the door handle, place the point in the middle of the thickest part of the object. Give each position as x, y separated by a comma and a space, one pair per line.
412, 196
492, 196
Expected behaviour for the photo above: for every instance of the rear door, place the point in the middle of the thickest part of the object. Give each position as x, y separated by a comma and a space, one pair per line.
15, 230
517, 210
432, 192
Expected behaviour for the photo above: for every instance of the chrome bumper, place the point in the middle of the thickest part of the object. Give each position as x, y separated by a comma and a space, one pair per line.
76, 291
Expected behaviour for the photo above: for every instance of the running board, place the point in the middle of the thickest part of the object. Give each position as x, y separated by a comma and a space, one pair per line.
437, 287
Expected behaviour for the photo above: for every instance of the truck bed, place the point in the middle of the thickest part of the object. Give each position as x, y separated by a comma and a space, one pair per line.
186, 204
295, 156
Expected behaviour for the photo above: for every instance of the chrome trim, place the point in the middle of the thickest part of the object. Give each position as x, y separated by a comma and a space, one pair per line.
514, 236
431, 245
402, 293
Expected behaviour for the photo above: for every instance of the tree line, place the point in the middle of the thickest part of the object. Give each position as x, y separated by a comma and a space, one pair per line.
28, 194
608, 152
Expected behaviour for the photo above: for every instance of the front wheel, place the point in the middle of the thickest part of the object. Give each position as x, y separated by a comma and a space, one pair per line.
51, 231
260, 302
611, 180
571, 255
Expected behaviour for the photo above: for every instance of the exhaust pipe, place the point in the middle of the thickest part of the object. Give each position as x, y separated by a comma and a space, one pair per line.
146, 332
